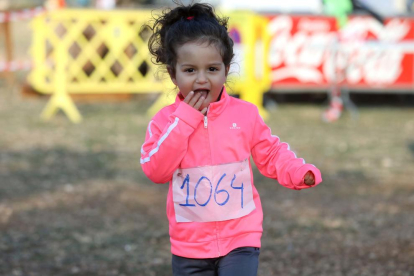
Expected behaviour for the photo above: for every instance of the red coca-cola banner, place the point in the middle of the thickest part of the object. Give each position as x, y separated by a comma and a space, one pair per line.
309, 52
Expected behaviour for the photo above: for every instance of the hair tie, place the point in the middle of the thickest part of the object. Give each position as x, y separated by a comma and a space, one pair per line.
190, 18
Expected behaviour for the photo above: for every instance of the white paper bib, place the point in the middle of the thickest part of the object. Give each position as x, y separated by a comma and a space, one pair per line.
213, 193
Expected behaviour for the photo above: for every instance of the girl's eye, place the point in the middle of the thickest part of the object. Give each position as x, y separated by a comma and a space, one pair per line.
213, 69
189, 70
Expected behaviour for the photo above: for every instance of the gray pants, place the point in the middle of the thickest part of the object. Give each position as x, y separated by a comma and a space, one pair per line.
242, 261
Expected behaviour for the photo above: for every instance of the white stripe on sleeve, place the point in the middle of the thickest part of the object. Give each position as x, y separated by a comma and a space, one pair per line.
149, 129
170, 128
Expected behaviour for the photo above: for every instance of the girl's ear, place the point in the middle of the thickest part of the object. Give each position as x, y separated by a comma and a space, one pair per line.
172, 75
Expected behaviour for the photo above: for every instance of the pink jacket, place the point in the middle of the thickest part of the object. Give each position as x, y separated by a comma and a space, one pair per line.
180, 137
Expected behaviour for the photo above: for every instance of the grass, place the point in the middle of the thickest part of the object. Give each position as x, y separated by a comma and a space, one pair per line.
74, 201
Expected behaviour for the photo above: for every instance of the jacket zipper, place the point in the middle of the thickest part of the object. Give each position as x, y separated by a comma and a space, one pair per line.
205, 118
211, 158
208, 135
217, 239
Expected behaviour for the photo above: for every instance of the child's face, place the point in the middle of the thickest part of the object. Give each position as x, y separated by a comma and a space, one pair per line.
200, 68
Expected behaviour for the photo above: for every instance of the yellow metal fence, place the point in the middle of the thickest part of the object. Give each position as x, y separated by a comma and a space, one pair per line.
89, 51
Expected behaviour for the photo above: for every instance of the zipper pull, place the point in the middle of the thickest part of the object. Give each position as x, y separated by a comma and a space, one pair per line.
205, 121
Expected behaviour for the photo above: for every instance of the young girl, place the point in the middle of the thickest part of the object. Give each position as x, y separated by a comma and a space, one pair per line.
201, 145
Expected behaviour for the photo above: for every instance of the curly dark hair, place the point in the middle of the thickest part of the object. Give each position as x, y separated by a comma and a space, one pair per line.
193, 23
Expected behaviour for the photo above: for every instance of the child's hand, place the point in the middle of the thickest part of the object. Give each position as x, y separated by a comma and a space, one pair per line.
195, 100
309, 178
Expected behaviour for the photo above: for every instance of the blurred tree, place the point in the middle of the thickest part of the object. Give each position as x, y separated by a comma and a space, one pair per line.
19, 4
160, 2
79, 3
136, 2
410, 5
341, 8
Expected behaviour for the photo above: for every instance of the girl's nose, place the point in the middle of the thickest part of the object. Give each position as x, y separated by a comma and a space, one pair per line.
201, 78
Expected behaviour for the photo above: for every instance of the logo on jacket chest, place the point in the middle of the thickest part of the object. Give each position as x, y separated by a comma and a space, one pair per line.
234, 126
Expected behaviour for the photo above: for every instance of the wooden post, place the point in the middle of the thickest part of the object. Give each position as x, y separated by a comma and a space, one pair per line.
8, 45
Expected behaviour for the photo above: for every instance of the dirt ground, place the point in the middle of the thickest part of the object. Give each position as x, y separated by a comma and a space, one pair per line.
74, 201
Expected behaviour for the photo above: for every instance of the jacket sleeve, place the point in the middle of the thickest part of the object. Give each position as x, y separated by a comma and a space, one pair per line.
274, 159
165, 146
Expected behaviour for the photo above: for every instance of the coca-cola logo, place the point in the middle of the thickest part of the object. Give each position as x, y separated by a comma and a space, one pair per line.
311, 51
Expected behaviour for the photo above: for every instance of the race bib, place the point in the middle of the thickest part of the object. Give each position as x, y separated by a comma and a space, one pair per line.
213, 193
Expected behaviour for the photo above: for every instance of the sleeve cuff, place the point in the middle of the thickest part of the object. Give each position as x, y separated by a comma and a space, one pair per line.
188, 114
300, 174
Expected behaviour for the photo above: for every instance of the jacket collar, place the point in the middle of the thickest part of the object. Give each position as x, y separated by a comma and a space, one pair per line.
215, 108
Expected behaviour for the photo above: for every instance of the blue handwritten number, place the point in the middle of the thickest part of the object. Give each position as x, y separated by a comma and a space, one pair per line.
187, 181
221, 191
195, 191
238, 188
